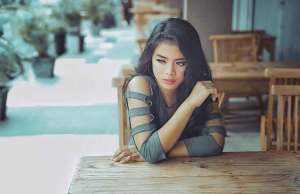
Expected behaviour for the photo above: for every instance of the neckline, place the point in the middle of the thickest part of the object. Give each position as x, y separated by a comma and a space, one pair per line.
172, 106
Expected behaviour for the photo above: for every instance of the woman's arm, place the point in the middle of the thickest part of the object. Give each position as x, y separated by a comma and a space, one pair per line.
210, 144
153, 144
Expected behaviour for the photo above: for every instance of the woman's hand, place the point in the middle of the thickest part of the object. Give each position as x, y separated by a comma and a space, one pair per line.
200, 92
127, 154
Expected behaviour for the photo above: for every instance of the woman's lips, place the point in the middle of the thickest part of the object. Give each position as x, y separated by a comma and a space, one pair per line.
169, 81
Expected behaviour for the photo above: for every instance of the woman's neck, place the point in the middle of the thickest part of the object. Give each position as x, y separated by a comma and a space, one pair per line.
169, 97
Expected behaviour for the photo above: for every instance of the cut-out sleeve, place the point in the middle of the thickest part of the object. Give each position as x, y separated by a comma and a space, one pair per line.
141, 119
211, 142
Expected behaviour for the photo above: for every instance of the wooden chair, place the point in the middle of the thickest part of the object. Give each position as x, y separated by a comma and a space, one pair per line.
266, 42
118, 82
235, 47
280, 127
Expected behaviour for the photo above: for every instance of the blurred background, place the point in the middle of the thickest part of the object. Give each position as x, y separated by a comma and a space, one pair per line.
58, 59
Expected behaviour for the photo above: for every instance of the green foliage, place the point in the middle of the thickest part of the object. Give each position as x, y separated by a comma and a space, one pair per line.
34, 29
10, 63
71, 10
57, 21
97, 9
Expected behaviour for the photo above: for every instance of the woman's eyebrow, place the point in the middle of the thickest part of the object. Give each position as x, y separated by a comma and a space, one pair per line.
158, 55
179, 59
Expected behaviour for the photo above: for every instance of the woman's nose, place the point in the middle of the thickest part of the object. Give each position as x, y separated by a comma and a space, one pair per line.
170, 70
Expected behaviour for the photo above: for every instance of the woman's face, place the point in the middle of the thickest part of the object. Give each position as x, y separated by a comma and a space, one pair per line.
168, 65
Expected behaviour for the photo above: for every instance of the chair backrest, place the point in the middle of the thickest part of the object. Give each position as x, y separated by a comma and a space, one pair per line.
266, 43
283, 115
235, 47
124, 131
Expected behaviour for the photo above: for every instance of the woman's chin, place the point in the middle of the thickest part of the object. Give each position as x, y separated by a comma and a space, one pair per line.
168, 87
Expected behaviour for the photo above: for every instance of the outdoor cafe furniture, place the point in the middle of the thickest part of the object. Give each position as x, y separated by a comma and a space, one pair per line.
230, 173
243, 78
279, 128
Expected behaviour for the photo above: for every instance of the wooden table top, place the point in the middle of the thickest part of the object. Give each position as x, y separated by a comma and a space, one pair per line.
246, 172
246, 70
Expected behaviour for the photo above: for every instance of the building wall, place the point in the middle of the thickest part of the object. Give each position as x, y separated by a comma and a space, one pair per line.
270, 20
210, 17
243, 14
175, 3
278, 18
290, 31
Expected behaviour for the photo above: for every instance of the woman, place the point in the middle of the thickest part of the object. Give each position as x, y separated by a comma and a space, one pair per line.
171, 102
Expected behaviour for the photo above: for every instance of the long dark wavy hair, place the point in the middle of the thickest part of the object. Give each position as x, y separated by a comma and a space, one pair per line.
184, 35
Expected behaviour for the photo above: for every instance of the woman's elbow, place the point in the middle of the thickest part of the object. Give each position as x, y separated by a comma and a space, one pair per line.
217, 150
217, 147
152, 154
218, 144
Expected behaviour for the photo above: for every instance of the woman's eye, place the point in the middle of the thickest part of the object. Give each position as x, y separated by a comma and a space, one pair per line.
161, 61
181, 64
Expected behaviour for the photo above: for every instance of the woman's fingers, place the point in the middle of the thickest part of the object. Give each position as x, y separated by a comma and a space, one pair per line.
209, 85
120, 150
120, 156
125, 160
214, 93
117, 152
127, 154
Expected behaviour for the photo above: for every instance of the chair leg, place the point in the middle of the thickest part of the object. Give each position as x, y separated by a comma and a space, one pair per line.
260, 104
263, 138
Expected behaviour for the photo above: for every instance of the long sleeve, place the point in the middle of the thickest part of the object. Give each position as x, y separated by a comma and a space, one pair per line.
207, 144
141, 120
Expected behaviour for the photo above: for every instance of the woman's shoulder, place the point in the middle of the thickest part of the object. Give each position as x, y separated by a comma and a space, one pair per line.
141, 83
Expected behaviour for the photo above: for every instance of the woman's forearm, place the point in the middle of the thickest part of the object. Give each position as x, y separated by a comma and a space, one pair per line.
179, 150
197, 146
170, 132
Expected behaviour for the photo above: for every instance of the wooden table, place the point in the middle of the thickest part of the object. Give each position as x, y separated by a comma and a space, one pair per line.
245, 78
247, 172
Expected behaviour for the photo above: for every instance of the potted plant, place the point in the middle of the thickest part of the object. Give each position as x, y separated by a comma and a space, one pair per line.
95, 13
109, 19
58, 26
10, 68
72, 11
34, 29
